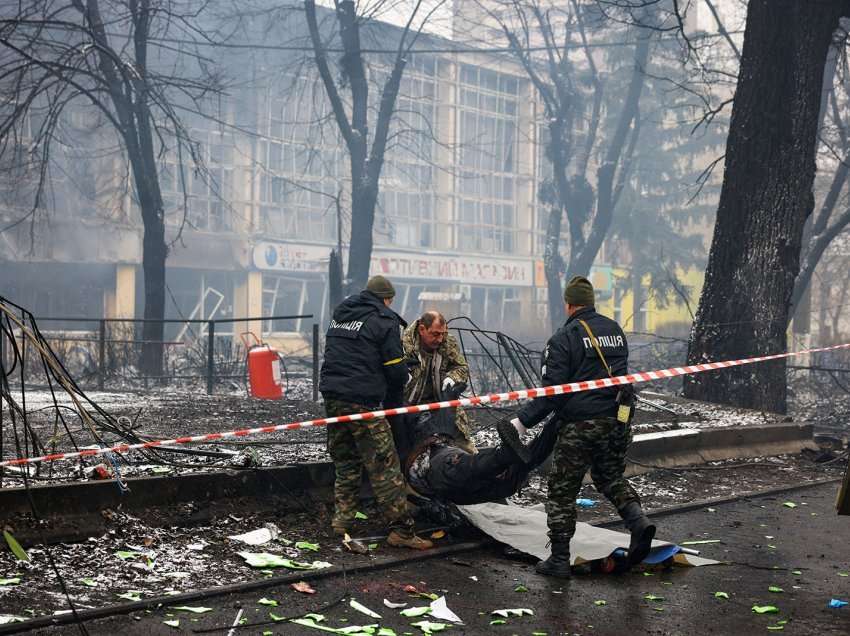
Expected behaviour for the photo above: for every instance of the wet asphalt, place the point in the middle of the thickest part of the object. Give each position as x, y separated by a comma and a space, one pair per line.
804, 551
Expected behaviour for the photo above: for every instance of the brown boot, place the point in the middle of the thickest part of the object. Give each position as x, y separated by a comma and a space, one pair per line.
399, 540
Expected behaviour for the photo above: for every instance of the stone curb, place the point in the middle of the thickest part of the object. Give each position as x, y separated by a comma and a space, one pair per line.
71, 510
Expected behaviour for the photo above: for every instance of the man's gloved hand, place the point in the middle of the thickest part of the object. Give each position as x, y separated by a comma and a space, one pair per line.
522, 430
454, 389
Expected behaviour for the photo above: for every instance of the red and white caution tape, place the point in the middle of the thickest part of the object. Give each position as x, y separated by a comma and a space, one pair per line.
510, 396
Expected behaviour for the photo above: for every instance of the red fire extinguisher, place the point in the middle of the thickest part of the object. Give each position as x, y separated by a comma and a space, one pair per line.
264, 376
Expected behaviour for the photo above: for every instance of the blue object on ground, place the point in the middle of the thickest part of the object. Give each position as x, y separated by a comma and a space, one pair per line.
585, 503
659, 555
836, 603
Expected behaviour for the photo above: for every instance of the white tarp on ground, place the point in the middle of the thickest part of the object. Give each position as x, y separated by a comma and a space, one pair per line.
525, 529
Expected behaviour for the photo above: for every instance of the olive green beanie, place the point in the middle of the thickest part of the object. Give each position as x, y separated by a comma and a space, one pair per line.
579, 291
381, 287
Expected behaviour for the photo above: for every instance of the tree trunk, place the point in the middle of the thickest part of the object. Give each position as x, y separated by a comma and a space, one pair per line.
154, 254
153, 265
363, 198
552, 266
335, 296
764, 202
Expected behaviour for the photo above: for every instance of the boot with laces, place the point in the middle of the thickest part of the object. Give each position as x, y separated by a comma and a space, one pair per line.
401, 539
558, 563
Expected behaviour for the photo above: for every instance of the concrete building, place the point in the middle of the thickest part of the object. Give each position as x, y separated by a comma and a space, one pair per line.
458, 225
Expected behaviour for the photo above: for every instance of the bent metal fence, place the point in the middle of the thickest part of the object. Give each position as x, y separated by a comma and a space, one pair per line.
104, 352
496, 360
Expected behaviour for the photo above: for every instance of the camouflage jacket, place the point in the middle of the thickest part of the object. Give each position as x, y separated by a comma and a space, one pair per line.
446, 361
427, 377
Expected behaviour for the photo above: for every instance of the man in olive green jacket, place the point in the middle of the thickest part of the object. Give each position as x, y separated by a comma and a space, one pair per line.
441, 367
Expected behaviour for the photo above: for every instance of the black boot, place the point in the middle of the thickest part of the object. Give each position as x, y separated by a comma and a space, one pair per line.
558, 563
510, 439
642, 531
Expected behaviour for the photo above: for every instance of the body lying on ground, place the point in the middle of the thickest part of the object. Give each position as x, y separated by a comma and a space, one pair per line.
436, 467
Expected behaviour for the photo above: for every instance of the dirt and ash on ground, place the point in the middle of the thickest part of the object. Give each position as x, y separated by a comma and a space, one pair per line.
187, 547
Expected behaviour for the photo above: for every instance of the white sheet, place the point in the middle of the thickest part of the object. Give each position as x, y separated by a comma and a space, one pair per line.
525, 529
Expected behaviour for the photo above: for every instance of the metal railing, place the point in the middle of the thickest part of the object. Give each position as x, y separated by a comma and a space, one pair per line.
115, 341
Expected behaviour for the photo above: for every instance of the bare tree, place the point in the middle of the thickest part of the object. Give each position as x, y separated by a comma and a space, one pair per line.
589, 208
366, 149
833, 214
109, 54
765, 201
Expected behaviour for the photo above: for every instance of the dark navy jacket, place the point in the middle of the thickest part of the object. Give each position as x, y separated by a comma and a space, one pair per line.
571, 357
364, 359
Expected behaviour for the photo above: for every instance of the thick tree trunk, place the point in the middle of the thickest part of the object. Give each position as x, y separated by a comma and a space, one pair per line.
765, 200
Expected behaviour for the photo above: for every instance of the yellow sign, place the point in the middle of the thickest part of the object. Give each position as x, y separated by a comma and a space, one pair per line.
601, 277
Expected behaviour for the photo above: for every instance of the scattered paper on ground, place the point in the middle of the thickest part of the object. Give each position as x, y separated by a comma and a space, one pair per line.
259, 536
519, 611
363, 609
440, 610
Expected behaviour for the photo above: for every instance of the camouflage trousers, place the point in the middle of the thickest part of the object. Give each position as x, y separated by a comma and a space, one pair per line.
600, 445
354, 446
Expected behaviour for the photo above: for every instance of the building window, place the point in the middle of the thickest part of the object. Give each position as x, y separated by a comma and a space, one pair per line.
495, 308
488, 120
405, 214
208, 188
289, 296
298, 163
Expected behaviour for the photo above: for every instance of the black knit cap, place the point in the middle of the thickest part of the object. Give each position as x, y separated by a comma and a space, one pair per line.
381, 287
579, 291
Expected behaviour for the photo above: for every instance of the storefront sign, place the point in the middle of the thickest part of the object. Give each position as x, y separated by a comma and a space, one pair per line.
470, 270
289, 257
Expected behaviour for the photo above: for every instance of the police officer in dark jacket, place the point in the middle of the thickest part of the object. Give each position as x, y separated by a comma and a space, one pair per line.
595, 429
363, 369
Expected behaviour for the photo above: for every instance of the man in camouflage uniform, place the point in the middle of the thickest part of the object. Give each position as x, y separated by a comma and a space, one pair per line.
595, 429
441, 368
363, 369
